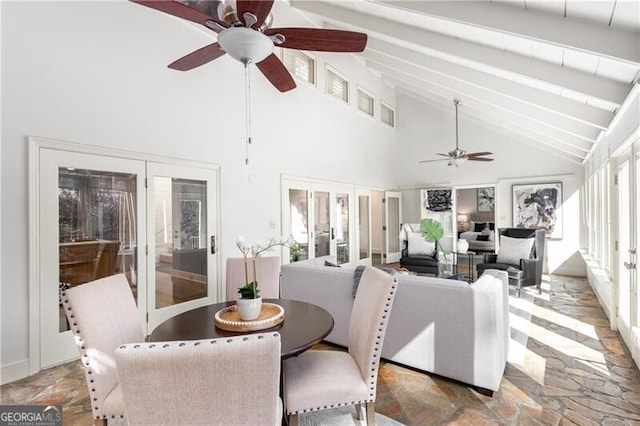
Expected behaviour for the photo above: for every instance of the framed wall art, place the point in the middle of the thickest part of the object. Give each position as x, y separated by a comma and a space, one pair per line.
486, 199
538, 206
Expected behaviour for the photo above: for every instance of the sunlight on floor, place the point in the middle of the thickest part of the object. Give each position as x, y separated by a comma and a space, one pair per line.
581, 353
566, 321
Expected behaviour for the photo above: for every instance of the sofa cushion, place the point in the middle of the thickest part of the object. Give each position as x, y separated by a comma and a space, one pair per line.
514, 249
417, 245
419, 260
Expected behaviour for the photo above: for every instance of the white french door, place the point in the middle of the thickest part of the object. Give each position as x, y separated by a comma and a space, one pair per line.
89, 206
95, 218
181, 217
320, 217
392, 215
628, 210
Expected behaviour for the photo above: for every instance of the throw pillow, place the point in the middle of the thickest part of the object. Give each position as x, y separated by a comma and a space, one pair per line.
482, 238
492, 226
327, 263
417, 245
514, 249
478, 227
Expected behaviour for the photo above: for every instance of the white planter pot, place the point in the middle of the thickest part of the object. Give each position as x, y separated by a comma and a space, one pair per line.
249, 309
462, 246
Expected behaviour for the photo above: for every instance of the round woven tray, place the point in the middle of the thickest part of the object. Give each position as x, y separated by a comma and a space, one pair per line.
229, 319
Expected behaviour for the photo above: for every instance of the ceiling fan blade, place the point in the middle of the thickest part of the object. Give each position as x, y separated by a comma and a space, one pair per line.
275, 71
479, 159
197, 58
431, 161
320, 40
181, 11
477, 154
259, 8
444, 155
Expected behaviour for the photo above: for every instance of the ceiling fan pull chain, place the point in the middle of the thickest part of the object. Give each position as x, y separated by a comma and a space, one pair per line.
247, 90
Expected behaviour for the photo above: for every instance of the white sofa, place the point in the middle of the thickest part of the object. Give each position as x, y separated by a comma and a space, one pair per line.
447, 327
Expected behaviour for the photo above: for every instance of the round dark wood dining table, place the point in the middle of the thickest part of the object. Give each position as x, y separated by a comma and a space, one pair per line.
304, 325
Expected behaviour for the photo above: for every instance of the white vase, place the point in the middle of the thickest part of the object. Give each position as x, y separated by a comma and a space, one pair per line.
249, 309
462, 246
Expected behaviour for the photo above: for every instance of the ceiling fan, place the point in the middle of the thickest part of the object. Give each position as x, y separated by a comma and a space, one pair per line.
244, 32
459, 156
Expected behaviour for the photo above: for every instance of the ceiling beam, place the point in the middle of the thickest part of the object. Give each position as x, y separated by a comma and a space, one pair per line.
474, 55
388, 54
536, 25
508, 111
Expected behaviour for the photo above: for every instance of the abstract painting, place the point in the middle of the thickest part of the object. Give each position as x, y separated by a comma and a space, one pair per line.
486, 199
538, 206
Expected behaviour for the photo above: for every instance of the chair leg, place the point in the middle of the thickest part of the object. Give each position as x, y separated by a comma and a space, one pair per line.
359, 413
292, 420
101, 422
371, 414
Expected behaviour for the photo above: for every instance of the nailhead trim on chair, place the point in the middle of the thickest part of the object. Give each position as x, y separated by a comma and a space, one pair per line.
86, 365
374, 364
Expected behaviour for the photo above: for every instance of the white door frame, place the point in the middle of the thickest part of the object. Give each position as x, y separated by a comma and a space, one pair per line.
35, 145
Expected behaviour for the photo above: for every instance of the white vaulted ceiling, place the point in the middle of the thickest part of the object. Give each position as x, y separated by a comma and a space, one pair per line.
552, 73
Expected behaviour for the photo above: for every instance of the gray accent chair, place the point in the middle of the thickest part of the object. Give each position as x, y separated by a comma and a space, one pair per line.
102, 315
224, 381
320, 380
529, 271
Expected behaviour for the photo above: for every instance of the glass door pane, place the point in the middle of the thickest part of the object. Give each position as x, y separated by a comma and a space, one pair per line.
181, 220
299, 222
322, 223
364, 227
180, 240
342, 228
392, 227
96, 228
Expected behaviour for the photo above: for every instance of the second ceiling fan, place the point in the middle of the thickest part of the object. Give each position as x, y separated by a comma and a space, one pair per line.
244, 33
459, 156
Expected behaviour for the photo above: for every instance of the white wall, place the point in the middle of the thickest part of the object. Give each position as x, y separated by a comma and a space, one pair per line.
96, 73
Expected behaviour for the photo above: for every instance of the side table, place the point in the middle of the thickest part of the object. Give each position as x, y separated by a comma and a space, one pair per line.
469, 255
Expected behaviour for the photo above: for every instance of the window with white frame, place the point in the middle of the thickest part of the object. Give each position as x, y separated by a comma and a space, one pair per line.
365, 102
387, 114
300, 64
336, 85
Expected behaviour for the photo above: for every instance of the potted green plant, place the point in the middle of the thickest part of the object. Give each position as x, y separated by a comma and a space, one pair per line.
432, 231
249, 302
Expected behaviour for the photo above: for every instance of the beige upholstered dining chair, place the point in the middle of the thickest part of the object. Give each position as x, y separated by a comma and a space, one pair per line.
267, 270
102, 315
224, 381
319, 380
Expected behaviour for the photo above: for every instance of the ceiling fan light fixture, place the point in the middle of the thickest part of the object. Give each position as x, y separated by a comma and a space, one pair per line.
245, 45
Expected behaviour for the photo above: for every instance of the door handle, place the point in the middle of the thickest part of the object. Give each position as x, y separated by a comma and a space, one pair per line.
333, 235
632, 250
213, 244
629, 265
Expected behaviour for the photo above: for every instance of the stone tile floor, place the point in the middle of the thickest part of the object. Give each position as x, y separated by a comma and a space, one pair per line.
565, 367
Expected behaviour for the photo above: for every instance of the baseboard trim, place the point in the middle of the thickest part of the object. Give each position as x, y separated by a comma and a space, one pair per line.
602, 288
14, 371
